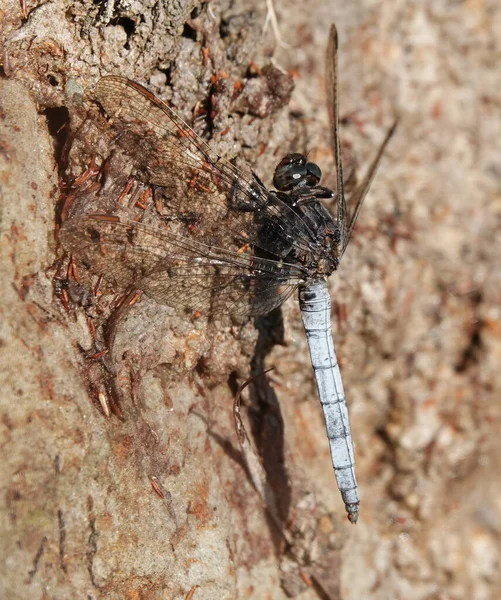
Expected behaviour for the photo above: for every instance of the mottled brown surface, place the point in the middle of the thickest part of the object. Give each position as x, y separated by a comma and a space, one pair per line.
417, 326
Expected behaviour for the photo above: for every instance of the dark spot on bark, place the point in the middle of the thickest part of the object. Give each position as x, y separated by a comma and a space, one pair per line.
224, 29
94, 235
195, 12
36, 560
189, 32
128, 25
57, 122
201, 366
53, 80
233, 383
470, 355
62, 539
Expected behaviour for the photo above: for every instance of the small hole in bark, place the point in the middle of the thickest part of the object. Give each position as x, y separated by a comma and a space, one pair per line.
57, 122
195, 12
128, 25
167, 72
201, 366
471, 352
189, 33
53, 80
223, 29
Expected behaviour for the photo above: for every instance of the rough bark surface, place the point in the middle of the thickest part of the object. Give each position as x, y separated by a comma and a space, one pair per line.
158, 505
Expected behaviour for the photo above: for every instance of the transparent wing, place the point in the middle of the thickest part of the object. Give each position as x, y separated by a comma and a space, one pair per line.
168, 153
331, 75
179, 271
346, 223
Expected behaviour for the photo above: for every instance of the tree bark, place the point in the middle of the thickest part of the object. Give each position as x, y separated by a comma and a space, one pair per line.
158, 504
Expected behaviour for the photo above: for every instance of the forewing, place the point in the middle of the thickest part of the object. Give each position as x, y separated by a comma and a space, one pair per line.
168, 153
346, 223
176, 270
331, 75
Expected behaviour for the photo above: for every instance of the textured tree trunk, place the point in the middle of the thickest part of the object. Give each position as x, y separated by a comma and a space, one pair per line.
157, 504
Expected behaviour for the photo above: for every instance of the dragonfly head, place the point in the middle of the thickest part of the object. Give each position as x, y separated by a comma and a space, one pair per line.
294, 169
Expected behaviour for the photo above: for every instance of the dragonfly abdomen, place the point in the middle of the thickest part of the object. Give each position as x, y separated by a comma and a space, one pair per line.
315, 304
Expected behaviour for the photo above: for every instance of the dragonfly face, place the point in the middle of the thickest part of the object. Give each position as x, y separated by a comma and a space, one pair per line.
294, 169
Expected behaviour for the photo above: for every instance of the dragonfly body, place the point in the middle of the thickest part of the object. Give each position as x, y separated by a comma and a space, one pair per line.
224, 243
304, 195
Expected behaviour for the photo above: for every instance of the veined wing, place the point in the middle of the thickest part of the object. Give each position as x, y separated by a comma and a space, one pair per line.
346, 222
179, 271
195, 178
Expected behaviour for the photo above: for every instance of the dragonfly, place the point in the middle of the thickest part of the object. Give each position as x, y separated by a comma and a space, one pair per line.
221, 242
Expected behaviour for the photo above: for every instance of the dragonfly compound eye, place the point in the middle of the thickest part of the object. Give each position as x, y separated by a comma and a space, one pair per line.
314, 173
290, 171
